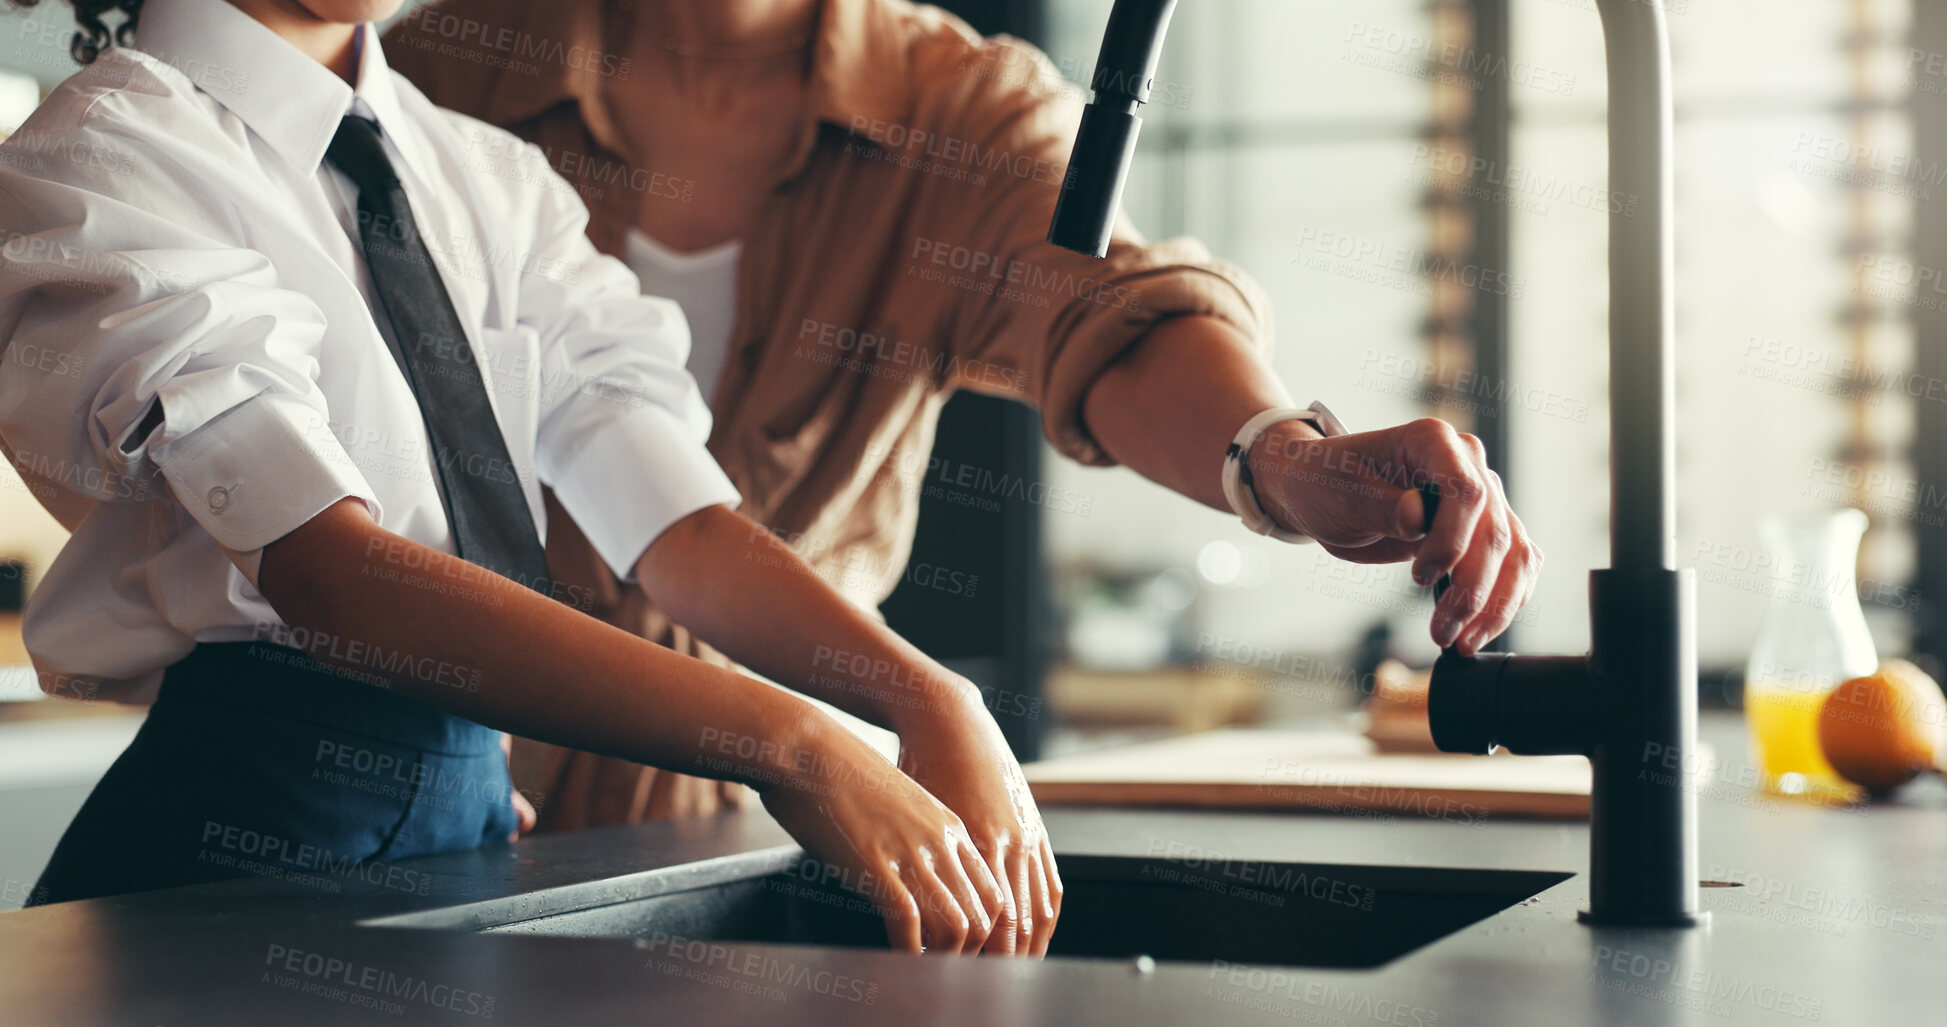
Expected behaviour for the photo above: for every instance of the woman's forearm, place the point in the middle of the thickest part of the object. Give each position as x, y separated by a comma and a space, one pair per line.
472, 643
1171, 405
746, 593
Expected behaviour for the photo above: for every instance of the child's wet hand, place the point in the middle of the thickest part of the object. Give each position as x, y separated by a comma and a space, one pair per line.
525, 816
897, 846
962, 758
523, 811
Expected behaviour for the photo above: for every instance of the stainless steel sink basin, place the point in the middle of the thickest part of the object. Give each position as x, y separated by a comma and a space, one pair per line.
1247, 912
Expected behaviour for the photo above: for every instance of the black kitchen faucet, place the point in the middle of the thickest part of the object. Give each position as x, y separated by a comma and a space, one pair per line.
1630, 703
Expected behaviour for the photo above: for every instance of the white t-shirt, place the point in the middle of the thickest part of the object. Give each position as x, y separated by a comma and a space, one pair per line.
704, 284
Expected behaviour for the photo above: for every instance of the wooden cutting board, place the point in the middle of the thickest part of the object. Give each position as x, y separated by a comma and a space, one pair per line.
1326, 771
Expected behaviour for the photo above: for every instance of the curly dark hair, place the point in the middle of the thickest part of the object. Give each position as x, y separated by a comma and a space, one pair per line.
93, 34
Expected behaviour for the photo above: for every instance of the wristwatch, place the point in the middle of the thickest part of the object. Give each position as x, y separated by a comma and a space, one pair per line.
1239, 490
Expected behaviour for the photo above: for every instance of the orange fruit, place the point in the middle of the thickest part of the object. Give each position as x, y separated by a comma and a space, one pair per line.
1884, 729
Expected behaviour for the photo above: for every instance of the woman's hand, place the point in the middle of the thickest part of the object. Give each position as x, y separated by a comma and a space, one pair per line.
1357, 495
1173, 401
892, 843
959, 755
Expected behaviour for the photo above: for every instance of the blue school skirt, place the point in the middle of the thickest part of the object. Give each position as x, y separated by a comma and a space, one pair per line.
256, 761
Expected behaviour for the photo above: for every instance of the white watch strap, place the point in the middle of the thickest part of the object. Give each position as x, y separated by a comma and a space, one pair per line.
1240, 492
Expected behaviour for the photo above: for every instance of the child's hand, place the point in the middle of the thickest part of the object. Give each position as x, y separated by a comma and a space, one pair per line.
525, 816
962, 758
895, 845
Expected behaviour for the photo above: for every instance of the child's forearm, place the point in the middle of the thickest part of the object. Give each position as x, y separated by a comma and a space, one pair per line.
742, 590
472, 643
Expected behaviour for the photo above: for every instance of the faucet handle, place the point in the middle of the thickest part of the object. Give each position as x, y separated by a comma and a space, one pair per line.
1463, 702
1464, 721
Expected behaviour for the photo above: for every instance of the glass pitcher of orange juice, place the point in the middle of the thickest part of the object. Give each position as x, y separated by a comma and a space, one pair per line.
1812, 638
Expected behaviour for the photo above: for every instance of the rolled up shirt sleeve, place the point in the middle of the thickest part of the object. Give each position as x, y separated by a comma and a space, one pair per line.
623, 425
181, 358
1054, 320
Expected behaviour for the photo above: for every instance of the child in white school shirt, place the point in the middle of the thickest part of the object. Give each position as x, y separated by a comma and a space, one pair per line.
264, 519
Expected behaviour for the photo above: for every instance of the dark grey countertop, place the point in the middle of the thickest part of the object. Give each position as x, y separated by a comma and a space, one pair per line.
1839, 918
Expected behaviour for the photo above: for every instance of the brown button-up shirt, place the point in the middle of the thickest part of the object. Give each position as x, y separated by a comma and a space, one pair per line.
901, 256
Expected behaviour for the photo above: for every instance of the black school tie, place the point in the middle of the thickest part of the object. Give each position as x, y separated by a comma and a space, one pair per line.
492, 526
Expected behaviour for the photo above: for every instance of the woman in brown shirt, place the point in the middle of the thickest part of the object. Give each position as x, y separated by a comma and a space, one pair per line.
885, 177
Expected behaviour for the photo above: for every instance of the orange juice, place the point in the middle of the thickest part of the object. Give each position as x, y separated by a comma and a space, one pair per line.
1784, 721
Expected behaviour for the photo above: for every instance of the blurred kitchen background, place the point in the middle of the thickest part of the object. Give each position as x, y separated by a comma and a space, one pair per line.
1421, 188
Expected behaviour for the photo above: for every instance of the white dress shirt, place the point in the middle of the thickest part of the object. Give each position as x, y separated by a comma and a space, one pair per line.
193, 369
704, 284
